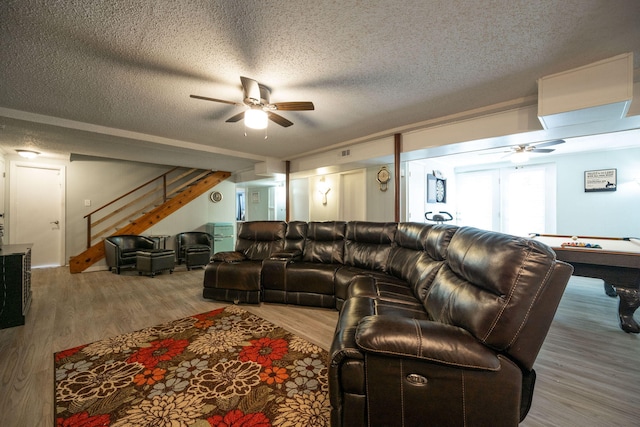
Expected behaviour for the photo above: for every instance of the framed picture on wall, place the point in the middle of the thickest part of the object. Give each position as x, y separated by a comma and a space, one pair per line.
255, 197
600, 180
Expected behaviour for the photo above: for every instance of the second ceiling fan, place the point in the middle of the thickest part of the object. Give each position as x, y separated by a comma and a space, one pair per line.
258, 98
520, 153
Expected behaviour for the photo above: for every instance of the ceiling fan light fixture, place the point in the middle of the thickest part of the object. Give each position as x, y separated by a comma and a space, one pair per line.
520, 156
28, 154
256, 119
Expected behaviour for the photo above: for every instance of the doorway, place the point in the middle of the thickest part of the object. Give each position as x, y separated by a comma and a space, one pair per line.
37, 211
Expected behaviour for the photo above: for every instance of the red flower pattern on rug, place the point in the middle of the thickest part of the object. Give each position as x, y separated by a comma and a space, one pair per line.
158, 352
223, 368
236, 418
264, 351
83, 419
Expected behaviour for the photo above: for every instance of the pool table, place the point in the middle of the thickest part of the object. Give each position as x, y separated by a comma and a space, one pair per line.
616, 260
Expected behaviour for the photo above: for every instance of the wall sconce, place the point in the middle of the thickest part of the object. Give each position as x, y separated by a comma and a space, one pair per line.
323, 189
28, 154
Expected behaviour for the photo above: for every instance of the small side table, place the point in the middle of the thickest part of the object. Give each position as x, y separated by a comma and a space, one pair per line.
161, 240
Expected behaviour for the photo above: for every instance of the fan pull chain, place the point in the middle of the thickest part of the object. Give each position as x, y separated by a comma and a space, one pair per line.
266, 135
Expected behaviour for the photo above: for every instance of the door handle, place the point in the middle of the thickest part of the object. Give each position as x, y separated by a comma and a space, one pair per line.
55, 222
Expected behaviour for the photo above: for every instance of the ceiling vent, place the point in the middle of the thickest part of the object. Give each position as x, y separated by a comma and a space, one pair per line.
595, 92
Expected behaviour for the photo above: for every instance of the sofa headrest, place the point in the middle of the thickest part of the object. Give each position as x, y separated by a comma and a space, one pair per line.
262, 230
369, 244
259, 239
296, 233
371, 232
495, 261
326, 231
325, 242
412, 235
438, 240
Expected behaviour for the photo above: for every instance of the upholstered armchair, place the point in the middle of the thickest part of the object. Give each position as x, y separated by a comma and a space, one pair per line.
120, 251
194, 248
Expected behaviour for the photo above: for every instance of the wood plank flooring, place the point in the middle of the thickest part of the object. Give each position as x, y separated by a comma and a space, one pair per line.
588, 369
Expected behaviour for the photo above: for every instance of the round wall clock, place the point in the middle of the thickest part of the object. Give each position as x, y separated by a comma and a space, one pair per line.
383, 177
215, 196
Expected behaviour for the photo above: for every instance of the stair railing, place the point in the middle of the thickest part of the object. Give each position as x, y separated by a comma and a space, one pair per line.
144, 197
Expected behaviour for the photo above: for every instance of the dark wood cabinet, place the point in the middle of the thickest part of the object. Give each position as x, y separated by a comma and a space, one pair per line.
15, 284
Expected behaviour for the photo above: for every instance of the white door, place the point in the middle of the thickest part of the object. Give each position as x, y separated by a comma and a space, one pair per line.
37, 211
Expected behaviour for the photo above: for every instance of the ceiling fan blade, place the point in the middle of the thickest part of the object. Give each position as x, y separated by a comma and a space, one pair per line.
550, 143
541, 150
235, 118
251, 89
215, 100
292, 106
279, 119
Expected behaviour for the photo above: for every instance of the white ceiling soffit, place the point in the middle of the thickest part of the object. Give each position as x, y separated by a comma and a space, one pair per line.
595, 92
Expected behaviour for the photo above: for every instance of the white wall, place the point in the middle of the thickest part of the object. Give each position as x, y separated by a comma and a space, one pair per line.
612, 214
318, 211
380, 204
299, 199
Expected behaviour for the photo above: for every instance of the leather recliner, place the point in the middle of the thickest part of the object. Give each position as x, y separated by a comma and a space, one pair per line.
236, 275
461, 351
194, 248
120, 251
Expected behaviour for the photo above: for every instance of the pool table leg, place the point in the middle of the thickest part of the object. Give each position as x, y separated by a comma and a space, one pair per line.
629, 303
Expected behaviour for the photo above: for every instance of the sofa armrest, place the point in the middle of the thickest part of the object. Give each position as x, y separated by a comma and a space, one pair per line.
424, 340
229, 257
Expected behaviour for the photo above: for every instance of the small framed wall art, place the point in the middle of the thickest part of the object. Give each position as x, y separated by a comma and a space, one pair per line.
600, 180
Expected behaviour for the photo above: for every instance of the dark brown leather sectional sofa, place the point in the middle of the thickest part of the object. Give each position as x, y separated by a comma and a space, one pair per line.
438, 325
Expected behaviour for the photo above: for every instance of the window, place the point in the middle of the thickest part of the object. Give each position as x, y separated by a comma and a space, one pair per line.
515, 200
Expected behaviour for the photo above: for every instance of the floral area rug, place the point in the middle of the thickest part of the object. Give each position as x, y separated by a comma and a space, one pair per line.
226, 367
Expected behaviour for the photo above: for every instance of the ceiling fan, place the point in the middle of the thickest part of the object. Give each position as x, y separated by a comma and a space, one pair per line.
520, 153
257, 98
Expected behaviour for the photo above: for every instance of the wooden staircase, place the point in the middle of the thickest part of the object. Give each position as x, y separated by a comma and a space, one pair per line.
95, 252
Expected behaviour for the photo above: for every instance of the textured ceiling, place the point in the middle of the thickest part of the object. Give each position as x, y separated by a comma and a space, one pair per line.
113, 78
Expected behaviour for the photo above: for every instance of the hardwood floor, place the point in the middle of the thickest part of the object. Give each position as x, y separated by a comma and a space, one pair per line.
588, 370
